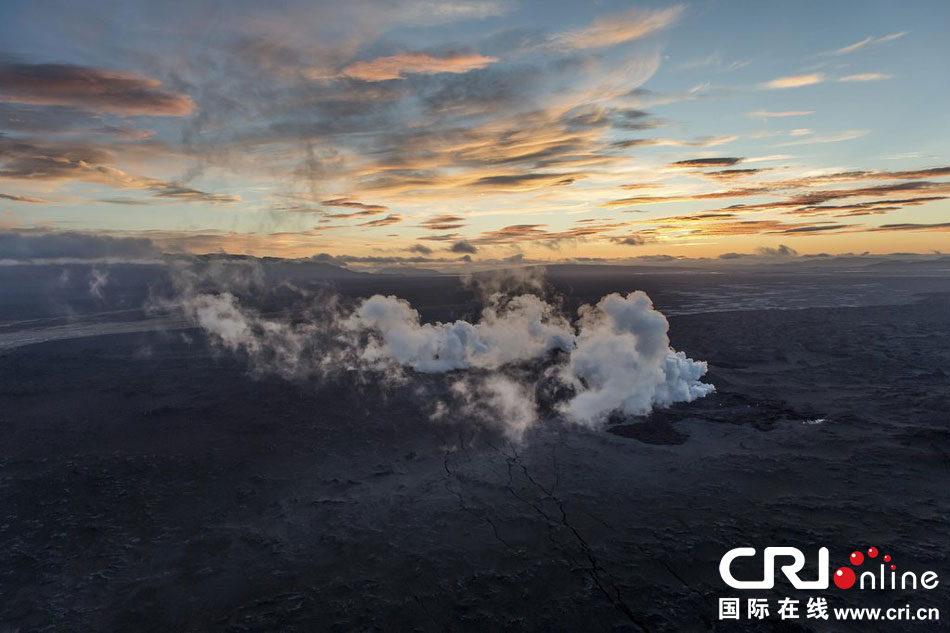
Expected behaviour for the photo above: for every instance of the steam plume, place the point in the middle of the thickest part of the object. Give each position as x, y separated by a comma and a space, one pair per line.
98, 279
623, 361
614, 358
522, 328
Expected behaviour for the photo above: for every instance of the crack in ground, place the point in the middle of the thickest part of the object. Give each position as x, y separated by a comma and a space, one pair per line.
425, 610
454, 490
602, 578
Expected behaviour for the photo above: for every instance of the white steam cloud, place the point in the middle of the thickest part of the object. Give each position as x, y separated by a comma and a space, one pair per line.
524, 328
614, 358
623, 361
98, 280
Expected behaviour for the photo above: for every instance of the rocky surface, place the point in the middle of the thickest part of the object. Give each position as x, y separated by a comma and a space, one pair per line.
150, 484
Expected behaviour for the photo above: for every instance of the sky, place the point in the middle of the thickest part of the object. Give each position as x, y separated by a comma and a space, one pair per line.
476, 130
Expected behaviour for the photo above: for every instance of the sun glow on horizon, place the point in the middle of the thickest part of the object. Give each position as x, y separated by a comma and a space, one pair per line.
476, 132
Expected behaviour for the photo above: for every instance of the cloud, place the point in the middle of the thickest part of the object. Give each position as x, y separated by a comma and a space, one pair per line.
847, 135
464, 247
16, 198
797, 81
617, 29
497, 400
710, 195
22, 159
443, 222
909, 174
588, 116
124, 132
422, 249
766, 114
127, 201
380, 260
868, 41
521, 182
517, 233
360, 209
911, 226
522, 125
707, 162
781, 251
873, 207
350, 203
714, 61
800, 193
803, 196
434, 12
331, 103
815, 228
188, 194
30, 246
392, 218
915, 186
102, 90
631, 240
444, 237
28, 160
524, 327
864, 77
413, 63
722, 225
98, 280
794, 81
732, 174
615, 358
767, 158
623, 362
703, 141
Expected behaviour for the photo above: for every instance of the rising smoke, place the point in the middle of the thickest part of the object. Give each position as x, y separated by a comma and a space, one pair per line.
98, 280
615, 357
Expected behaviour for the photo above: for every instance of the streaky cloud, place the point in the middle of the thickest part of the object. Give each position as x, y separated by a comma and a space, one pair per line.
793, 81
617, 29
766, 114
415, 63
868, 41
104, 90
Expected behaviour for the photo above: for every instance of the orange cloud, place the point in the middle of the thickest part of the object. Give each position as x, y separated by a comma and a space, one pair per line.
116, 92
353, 204
618, 28
516, 233
16, 198
942, 226
865, 77
443, 222
794, 81
392, 218
397, 66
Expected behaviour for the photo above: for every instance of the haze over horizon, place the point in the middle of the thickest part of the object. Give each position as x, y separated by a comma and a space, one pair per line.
479, 130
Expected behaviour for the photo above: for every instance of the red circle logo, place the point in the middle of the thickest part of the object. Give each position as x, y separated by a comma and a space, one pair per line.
844, 578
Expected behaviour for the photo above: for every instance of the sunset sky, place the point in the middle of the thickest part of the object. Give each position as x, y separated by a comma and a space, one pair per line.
426, 131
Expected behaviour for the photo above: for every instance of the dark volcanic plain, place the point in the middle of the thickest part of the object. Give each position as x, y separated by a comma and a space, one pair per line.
150, 483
